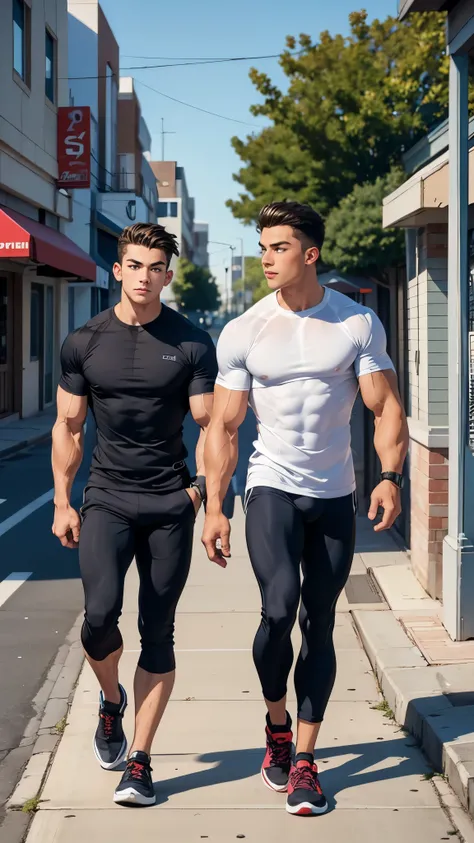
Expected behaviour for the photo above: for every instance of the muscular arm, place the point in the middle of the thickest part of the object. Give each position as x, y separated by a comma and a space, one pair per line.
380, 394
201, 410
68, 445
221, 450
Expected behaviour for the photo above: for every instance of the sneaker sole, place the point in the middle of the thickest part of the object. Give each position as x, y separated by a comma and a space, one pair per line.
111, 765
133, 797
278, 788
306, 809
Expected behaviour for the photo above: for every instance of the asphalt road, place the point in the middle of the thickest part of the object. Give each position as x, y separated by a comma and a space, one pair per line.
36, 618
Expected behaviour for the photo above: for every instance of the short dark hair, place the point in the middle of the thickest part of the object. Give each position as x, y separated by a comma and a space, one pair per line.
302, 218
150, 235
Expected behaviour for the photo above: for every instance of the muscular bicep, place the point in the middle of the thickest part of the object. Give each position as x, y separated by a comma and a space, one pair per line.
230, 407
201, 408
378, 388
71, 409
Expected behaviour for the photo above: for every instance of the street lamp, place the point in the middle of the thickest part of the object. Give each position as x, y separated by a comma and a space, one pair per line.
232, 249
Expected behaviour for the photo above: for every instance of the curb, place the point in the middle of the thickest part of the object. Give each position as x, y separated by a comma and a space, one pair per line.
414, 693
24, 443
52, 705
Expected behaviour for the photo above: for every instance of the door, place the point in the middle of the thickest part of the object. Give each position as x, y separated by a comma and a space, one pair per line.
6, 345
42, 340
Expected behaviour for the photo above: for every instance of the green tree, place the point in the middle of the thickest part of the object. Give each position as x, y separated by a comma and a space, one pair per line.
352, 107
195, 288
355, 240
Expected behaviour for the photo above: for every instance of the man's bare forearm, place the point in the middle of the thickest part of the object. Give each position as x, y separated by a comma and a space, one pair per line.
68, 450
220, 459
391, 436
199, 454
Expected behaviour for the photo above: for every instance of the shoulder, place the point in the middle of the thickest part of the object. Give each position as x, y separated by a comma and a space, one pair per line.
78, 340
183, 329
244, 328
359, 320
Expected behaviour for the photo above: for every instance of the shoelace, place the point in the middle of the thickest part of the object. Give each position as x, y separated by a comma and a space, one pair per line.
280, 751
305, 777
109, 721
137, 771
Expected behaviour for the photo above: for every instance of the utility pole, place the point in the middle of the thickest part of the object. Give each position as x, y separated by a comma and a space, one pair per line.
163, 133
228, 295
242, 267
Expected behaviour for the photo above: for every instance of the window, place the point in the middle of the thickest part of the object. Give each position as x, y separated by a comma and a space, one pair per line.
173, 209
21, 39
3, 322
162, 209
50, 69
36, 319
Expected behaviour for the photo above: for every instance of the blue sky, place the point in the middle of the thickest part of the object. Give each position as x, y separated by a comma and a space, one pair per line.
201, 143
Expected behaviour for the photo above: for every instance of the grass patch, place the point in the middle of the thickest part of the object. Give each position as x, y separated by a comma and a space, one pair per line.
61, 725
428, 776
384, 707
31, 806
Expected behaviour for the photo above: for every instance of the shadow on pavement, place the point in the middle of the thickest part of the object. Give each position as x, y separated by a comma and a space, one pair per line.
399, 756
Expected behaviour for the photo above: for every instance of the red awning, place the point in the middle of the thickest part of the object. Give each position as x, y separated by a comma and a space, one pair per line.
21, 237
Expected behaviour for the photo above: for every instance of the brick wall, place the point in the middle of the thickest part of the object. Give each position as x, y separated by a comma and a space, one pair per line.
429, 514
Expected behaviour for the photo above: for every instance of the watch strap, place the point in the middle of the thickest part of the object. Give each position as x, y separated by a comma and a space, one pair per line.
393, 476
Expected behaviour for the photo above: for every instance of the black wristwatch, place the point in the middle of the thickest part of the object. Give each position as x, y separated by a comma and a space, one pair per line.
394, 477
199, 483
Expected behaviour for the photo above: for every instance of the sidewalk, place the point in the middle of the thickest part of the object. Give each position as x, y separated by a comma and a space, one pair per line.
17, 433
208, 751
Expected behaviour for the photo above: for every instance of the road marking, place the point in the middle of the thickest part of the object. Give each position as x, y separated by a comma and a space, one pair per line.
12, 583
3, 500
23, 513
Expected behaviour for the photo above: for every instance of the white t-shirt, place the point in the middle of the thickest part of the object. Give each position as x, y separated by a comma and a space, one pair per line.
301, 370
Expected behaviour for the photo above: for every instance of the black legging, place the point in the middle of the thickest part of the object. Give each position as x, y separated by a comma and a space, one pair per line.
284, 531
158, 531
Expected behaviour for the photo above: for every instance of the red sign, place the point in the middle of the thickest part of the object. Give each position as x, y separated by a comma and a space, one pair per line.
74, 146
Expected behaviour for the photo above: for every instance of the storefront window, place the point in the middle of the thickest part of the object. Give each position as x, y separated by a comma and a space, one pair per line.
3, 321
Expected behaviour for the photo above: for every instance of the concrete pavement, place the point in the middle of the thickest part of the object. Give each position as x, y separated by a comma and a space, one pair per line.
208, 751
16, 433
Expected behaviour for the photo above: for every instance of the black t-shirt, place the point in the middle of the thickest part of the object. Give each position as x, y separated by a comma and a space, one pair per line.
138, 380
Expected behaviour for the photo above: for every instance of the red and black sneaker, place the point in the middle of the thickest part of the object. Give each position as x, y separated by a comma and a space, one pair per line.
277, 762
305, 797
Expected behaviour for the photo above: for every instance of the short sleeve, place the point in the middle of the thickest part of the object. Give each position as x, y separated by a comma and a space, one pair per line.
372, 355
231, 354
72, 376
204, 369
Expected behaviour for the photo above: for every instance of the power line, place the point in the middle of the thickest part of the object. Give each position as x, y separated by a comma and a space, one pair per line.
197, 108
182, 58
195, 62
182, 63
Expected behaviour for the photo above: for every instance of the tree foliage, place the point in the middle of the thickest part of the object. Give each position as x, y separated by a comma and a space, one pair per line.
195, 288
355, 240
352, 107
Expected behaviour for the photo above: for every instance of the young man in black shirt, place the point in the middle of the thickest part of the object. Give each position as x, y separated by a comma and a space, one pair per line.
139, 367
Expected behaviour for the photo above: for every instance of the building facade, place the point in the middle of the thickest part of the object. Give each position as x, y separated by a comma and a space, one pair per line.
37, 259
175, 211
123, 187
201, 244
436, 206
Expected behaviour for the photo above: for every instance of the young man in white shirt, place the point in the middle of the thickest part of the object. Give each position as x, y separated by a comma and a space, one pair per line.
299, 357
